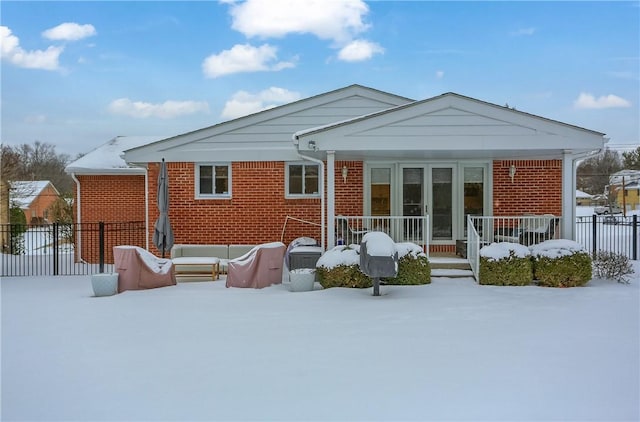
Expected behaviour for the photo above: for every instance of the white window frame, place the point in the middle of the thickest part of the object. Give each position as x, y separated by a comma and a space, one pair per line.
199, 195
304, 164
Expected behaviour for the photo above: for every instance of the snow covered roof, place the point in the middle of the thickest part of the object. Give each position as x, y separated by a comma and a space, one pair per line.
583, 195
629, 176
23, 193
107, 158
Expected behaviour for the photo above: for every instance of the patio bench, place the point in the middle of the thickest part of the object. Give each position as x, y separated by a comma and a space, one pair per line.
197, 259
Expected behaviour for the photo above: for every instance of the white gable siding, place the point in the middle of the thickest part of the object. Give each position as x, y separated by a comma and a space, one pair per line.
267, 136
454, 126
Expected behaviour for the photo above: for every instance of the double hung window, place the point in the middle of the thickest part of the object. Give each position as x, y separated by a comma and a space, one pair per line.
302, 180
213, 181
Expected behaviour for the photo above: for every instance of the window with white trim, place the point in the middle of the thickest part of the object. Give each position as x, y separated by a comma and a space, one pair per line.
213, 181
302, 180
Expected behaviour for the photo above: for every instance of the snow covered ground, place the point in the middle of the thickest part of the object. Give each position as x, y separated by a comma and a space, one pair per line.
451, 350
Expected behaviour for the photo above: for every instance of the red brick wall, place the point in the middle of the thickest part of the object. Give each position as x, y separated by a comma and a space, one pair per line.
109, 199
254, 214
40, 204
257, 211
536, 187
350, 195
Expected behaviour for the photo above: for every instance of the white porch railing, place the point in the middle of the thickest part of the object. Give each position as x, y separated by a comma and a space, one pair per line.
526, 230
473, 248
401, 229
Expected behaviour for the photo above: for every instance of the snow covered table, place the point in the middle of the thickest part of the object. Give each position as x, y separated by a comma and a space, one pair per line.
197, 266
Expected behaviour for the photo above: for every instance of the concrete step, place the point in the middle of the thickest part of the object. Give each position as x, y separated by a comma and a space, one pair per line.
450, 266
442, 262
451, 273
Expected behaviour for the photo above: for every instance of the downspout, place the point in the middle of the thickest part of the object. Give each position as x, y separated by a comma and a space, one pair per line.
320, 187
78, 215
145, 168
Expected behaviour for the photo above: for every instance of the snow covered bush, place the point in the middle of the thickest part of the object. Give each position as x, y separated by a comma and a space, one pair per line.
413, 266
612, 266
340, 267
561, 263
505, 264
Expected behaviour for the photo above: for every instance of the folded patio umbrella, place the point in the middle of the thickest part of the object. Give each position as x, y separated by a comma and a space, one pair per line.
163, 233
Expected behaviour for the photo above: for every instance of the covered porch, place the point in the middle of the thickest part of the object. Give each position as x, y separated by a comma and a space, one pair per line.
418, 171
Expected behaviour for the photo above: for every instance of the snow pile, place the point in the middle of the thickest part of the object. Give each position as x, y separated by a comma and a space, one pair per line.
449, 350
379, 244
340, 255
556, 248
502, 250
409, 248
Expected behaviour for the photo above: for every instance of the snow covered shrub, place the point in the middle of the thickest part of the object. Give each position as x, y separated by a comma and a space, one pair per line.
413, 266
340, 267
561, 263
505, 264
612, 266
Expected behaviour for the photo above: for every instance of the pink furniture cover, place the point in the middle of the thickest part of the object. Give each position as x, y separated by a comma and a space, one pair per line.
139, 269
258, 268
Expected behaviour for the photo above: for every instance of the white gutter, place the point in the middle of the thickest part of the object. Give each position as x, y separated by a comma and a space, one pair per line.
320, 188
79, 215
145, 168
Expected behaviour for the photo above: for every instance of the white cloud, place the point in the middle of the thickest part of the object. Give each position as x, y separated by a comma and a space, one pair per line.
439, 74
243, 103
359, 50
523, 31
586, 100
337, 20
36, 59
35, 119
166, 110
243, 58
69, 31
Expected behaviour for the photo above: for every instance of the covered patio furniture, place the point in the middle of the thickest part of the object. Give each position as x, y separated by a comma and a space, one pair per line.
347, 233
531, 229
139, 269
258, 268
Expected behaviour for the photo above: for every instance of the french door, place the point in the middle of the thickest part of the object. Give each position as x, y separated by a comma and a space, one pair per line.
446, 192
430, 190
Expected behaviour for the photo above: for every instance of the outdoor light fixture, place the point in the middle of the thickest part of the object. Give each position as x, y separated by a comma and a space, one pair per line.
512, 172
345, 173
312, 145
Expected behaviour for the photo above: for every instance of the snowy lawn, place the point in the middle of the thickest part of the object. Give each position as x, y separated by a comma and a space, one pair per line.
451, 350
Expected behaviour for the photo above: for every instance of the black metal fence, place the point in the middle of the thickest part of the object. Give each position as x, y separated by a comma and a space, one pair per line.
613, 233
64, 249
87, 248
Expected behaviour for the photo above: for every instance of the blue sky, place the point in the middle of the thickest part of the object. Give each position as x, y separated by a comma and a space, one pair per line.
76, 74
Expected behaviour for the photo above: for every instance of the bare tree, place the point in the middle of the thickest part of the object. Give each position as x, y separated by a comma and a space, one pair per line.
9, 167
41, 162
593, 173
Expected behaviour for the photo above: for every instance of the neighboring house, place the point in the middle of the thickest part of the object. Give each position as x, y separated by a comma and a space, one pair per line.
34, 198
583, 198
627, 197
355, 151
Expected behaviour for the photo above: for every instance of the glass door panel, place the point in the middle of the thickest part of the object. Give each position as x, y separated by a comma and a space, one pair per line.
442, 203
473, 193
380, 192
412, 201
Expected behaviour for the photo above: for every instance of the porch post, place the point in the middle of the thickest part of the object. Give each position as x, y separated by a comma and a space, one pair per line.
568, 195
331, 196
